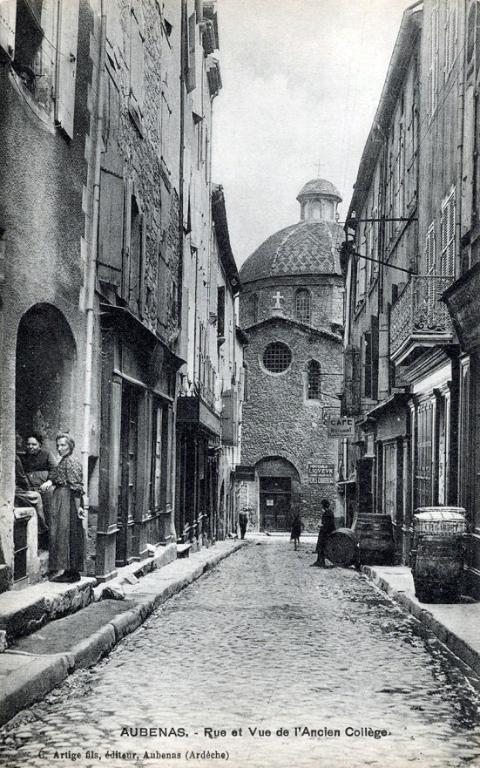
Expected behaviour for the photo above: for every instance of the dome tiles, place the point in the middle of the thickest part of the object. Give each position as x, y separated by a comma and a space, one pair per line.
304, 248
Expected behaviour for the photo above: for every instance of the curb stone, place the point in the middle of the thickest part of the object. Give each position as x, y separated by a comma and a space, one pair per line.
453, 642
32, 683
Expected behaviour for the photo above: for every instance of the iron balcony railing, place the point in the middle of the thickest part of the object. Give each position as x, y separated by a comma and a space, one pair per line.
419, 314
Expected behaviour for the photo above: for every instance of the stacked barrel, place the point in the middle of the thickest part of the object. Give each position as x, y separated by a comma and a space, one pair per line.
438, 553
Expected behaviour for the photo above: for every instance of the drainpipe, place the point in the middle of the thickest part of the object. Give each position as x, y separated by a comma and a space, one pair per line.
91, 262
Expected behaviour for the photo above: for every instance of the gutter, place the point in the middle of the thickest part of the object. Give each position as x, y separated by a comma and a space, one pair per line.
92, 265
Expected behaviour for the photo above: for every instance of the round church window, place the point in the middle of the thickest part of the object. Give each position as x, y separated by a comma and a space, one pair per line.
277, 357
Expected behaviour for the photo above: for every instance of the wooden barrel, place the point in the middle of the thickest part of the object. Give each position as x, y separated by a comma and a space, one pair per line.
375, 538
437, 568
341, 547
438, 553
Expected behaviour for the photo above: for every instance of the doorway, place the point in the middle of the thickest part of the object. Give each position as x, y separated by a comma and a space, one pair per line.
45, 360
127, 492
275, 503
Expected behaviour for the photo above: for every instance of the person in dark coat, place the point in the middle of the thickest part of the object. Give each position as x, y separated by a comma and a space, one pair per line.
327, 527
296, 531
242, 522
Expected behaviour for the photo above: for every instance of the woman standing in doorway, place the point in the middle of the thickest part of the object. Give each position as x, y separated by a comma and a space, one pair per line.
67, 538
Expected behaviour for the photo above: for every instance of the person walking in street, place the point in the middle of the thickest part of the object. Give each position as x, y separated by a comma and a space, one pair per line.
67, 537
242, 523
326, 528
296, 530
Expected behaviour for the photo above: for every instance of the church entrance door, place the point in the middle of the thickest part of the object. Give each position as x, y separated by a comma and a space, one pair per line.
275, 503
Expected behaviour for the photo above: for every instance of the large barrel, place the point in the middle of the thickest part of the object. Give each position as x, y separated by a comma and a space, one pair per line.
375, 538
341, 547
437, 554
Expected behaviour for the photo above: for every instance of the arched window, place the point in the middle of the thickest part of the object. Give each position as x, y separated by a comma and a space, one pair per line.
313, 384
303, 306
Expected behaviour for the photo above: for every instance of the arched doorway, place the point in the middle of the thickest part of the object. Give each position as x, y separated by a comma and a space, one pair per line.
278, 482
45, 359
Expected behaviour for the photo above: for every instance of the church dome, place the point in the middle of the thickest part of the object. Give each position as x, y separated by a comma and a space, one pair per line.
309, 247
319, 187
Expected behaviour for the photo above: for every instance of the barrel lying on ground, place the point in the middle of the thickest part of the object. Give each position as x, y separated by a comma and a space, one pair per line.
341, 547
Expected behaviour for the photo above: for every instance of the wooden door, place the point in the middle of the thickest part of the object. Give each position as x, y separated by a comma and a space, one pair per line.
275, 503
128, 475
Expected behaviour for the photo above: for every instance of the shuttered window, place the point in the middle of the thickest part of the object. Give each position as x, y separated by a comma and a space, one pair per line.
110, 228
67, 65
221, 310
423, 459
450, 35
137, 58
433, 71
190, 50
447, 259
367, 365
8, 12
430, 264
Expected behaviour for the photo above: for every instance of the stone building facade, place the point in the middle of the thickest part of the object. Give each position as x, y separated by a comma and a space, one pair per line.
45, 122
108, 247
291, 307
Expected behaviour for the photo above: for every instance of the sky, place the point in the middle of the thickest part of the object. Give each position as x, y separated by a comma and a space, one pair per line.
301, 83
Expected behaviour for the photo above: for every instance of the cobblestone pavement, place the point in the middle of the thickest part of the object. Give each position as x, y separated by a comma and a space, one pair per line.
264, 642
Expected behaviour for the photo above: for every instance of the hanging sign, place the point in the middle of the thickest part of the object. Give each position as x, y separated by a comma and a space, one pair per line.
341, 426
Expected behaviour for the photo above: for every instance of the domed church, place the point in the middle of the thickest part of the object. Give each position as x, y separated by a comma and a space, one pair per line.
291, 307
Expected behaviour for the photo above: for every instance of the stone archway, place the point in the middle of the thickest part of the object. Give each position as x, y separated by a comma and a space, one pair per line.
45, 358
279, 482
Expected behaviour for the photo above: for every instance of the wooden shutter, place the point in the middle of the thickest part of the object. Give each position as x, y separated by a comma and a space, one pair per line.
67, 65
136, 59
126, 239
190, 73
135, 262
375, 355
367, 371
450, 260
110, 228
221, 310
448, 236
8, 14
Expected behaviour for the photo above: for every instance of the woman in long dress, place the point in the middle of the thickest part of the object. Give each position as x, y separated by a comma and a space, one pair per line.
67, 537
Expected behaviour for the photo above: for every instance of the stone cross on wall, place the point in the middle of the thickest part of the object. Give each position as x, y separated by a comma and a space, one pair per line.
278, 298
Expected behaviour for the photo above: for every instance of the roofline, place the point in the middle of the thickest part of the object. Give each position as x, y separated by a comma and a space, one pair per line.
219, 215
289, 321
287, 275
401, 56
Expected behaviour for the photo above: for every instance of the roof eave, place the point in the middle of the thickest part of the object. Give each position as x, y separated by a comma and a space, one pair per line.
401, 56
219, 215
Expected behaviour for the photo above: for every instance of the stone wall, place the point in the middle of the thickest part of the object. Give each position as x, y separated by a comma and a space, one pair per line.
326, 300
278, 419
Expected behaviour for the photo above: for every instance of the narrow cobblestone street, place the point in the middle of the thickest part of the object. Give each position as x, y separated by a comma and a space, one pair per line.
264, 642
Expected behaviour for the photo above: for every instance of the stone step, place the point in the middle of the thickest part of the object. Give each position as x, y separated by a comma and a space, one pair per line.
24, 611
